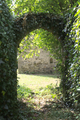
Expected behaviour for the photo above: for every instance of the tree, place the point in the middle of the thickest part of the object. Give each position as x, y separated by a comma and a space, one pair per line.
13, 30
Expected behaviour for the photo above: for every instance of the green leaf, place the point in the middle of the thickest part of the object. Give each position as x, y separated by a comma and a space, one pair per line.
3, 92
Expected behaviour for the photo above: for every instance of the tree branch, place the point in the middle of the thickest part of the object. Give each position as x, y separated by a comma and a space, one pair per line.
29, 22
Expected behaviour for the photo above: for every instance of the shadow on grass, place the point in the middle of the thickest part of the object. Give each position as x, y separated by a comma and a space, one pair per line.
50, 111
42, 108
48, 75
45, 75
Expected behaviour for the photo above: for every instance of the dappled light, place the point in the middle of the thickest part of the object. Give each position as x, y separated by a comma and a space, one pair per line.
50, 110
41, 101
57, 29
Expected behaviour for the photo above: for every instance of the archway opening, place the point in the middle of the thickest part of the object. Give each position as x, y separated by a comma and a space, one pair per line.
34, 87
40, 49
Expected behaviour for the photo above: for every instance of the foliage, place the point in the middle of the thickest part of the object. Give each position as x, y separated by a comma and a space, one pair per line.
50, 88
72, 52
45, 103
66, 52
12, 31
23, 92
45, 39
22, 6
74, 62
8, 64
42, 38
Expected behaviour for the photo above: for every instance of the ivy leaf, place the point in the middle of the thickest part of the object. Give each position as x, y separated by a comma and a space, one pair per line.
1, 61
0, 11
1, 118
3, 92
6, 107
0, 42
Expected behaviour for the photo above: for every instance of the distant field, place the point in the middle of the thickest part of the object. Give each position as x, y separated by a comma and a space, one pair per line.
37, 81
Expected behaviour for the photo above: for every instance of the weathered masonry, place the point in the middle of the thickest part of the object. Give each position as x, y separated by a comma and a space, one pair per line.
37, 64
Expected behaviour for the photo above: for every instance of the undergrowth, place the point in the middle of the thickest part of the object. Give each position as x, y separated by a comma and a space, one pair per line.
46, 103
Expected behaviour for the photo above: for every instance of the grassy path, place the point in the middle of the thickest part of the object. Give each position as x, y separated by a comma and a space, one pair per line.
39, 99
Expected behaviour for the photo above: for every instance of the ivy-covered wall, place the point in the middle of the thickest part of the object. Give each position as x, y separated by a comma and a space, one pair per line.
8, 64
71, 77
13, 31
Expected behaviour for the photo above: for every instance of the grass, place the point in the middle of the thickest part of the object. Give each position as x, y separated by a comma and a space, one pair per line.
35, 82
40, 99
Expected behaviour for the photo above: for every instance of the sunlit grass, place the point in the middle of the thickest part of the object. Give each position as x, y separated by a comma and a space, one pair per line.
37, 85
35, 82
39, 98
23, 92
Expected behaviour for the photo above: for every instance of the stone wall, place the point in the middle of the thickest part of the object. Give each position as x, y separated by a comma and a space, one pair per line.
38, 64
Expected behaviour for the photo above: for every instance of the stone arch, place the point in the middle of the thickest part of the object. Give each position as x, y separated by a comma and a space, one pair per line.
49, 22
29, 22
9, 41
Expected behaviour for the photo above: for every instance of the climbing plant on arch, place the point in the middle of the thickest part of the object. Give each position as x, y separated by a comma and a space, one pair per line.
14, 29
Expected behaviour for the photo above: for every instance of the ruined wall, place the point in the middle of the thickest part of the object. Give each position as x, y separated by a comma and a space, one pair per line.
38, 64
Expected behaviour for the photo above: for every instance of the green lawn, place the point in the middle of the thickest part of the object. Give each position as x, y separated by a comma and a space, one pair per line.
40, 99
37, 81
